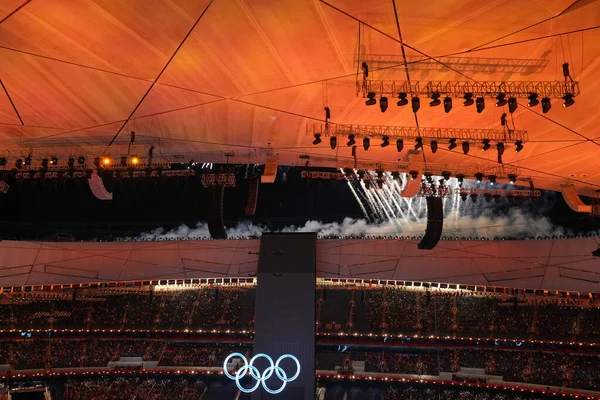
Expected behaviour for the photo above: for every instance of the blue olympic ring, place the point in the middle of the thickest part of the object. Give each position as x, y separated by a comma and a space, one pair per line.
254, 373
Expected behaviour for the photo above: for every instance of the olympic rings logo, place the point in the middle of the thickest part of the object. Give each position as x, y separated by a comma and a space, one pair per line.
254, 373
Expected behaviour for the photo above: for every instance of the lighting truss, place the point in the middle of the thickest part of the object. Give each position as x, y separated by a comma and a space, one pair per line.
76, 151
497, 192
411, 133
502, 171
428, 190
224, 179
457, 89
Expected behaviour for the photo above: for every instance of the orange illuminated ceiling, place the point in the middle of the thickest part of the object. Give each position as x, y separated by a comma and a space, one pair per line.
256, 72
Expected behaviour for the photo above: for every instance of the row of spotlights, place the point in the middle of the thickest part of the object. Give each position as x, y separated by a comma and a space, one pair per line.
19, 163
479, 102
385, 142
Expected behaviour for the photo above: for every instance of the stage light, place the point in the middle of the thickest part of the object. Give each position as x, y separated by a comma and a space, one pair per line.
366, 143
383, 104
44, 163
500, 100
416, 104
81, 160
434, 146
447, 104
71, 162
414, 175
418, 143
446, 175
546, 105
480, 104
428, 178
402, 99
317, 139
396, 176
19, 163
465, 147
371, 97
568, 98
512, 178
28, 161
512, 104
54, 160
533, 101
468, 99
452, 144
333, 142
492, 179
106, 160
2, 161
123, 161
488, 197
351, 141
486, 144
461, 179
399, 145
479, 177
135, 160
474, 198
519, 145
435, 100
500, 148
385, 141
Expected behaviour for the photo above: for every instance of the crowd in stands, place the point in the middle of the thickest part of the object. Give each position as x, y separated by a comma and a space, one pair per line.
190, 354
134, 388
424, 393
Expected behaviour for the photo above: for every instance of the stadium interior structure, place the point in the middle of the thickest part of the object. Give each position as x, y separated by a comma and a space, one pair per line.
402, 100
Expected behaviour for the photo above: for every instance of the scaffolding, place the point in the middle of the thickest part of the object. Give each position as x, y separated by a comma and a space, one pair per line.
457, 89
411, 133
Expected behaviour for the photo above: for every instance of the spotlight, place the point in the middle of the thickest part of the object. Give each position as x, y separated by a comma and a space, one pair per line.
452, 144
500, 100
54, 160
135, 160
480, 104
500, 147
512, 178
428, 178
371, 97
385, 141
446, 175
332, 142
19, 163
81, 160
403, 100
546, 105
106, 160
71, 162
366, 143
568, 98
317, 139
28, 161
399, 145
479, 177
434, 146
512, 104
465, 147
503, 119
468, 99
416, 104
488, 197
492, 179
383, 104
414, 174
447, 104
519, 145
123, 161
461, 179
2, 161
474, 197
351, 141
435, 100
44, 163
486, 144
418, 143
533, 101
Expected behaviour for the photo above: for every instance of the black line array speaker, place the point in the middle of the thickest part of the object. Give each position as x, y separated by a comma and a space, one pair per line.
252, 195
435, 223
216, 226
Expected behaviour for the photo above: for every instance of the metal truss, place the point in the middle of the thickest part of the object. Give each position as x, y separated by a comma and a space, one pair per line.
85, 151
457, 89
460, 63
411, 133
154, 174
428, 190
226, 179
497, 192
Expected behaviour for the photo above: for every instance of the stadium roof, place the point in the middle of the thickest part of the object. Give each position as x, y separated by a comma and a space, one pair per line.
254, 73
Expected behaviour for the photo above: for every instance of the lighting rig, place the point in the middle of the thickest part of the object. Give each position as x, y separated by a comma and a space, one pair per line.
422, 135
503, 92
